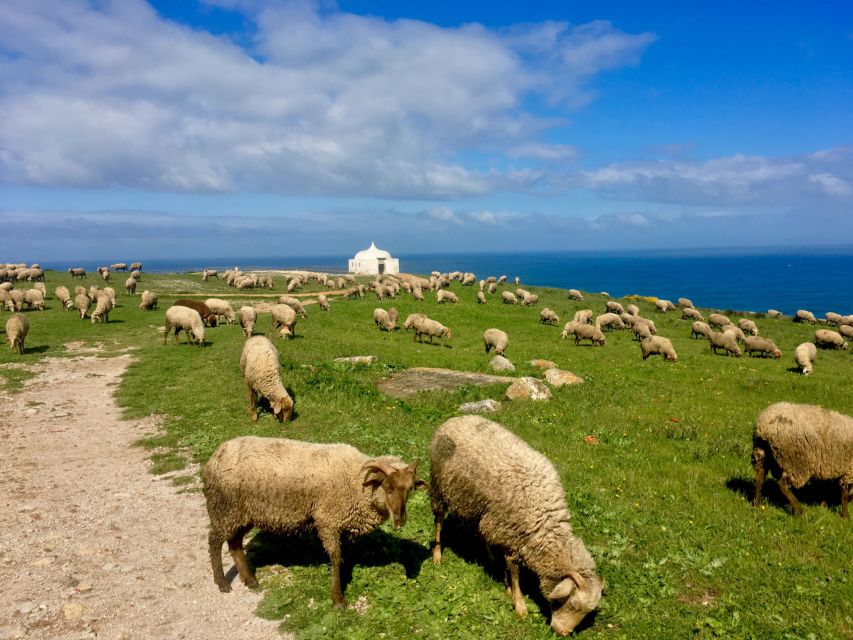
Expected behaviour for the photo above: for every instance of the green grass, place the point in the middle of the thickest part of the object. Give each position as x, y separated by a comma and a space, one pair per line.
662, 502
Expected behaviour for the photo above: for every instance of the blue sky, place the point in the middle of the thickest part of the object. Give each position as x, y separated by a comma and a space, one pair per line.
240, 127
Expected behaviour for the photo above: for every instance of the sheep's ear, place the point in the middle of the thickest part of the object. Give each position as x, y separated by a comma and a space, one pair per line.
375, 472
567, 585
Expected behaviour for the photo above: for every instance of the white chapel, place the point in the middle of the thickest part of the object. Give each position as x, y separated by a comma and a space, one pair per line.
373, 261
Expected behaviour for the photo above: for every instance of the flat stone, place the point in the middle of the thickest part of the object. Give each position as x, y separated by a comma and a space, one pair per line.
560, 378
528, 389
481, 406
499, 363
411, 381
12, 633
72, 611
358, 359
543, 364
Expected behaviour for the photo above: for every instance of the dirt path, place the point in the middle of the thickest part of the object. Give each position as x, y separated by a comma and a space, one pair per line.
91, 545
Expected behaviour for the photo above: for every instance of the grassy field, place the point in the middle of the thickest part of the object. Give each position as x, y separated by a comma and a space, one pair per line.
662, 501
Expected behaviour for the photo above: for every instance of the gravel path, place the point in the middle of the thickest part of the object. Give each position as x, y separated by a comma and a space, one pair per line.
91, 544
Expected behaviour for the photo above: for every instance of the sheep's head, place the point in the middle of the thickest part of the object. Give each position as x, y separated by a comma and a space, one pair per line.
447, 333
571, 599
395, 484
777, 354
282, 408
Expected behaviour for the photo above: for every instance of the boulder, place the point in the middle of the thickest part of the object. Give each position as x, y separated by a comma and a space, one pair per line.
481, 406
559, 378
358, 359
543, 364
499, 363
528, 389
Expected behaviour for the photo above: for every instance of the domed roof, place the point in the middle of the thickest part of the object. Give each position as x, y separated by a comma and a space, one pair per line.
372, 253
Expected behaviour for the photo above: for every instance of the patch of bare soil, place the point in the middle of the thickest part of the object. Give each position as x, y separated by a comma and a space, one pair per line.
91, 544
411, 381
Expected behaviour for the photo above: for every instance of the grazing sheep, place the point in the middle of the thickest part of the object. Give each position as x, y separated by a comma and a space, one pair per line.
658, 345
259, 363
725, 340
529, 300
323, 302
186, 319
77, 272
34, 298
105, 275
589, 332
641, 331
614, 307
799, 443
64, 297
82, 302
804, 356
119, 266
718, 320
40, 286
427, 327
247, 317
410, 320
833, 318
804, 316
508, 297
17, 328
130, 285
546, 316
484, 473
574, 294
481, 298
294, 304
633, 309
16, 300
148, 300
383, 320
204, 311
221, 308
103, 305
664, 306
763, 346
846, 330
686, 303
283, 320
773, 313
689, 313
497, 339
78, 289
288, 486
418, 294
111, 293
748, 326
609, 321
6, 301
730, 328
443, 296
207, 274
583, 316
828, 339
569, 329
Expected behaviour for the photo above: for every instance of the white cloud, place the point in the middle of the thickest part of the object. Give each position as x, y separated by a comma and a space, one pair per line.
833, 185
547, 152
443, 214
485, 217
110, 94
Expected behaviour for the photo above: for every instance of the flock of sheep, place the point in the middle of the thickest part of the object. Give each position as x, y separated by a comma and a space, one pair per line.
479, 470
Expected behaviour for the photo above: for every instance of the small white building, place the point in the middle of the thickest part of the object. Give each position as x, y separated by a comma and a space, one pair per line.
373, 261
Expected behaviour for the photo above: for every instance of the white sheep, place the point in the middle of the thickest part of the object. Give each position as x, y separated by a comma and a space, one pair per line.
247, 316
283, 320
513, 495
633, 309
804, 356
804, 316
764, 346
614, 307
103, 305
221, 308
652, 345
574, 294
481, 298
583, 316
508, 297
382, 319
497, 339
686, 303
294, 304
609, 320
828, 339
443, 296
799, 443
547, 316
148, 300
689, 313
725, 340
82, 302
64, 297
426, 327
259, 363
700, 328
323, 302
748, 326
17, 328
589, 332
34, 298
186, 319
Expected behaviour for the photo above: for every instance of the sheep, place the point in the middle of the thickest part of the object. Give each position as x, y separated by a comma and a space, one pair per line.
718, 320
725, 340
748, 326
658, 345
64, 297
502, 280
111, 293
633, 309
764, 346
383, 320
614, 307
6, 286
17, 328
641, 331
609, 320
119, 266
16, 300
186, 319
426, 327
508, 297
130, 285
774, 313
833, 318
103, 305
481, 298
105, 275
418, 294
804, 356
393, 314
517, 281
574, 294
799, 443
410, 320
78, 289
804, 316
77, 272
221, 308
6, 300
288, 486
34, 298
686, 303
82, 302
469, 279
583, 316
689, 313
40, 286
148, 300
529, 300
136, 266
730, 328
664, 305
589, 332
323, 302
261, 369
283, 320
204, 311
497, 339
484, 473
443, 296
247, 317
206, 274
547, 316
846, 330
568, 329
828, 339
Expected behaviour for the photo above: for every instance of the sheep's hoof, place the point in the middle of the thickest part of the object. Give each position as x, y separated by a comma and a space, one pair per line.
339, 604
224, 587
253, 585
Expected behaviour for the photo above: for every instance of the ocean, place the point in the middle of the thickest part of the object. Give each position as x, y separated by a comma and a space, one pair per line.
758, 280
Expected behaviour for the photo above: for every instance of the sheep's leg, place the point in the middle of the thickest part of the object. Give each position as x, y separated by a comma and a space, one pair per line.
332, 544
253, 404
438, 511
235, 544
760, 473
785, 486
846, 489
515, 588
215, 548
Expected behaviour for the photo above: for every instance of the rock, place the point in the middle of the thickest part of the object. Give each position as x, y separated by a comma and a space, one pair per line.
83, 588
72, 611
559, 378
528, 389
12, 633
543, 364
44, 562
26, 607
410, 381
590, 439
499, 363
358, 359
481, 406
